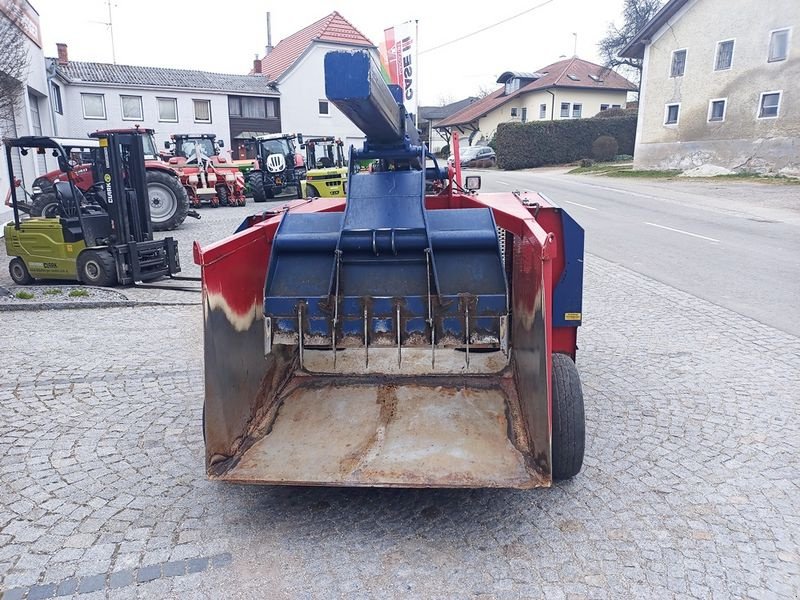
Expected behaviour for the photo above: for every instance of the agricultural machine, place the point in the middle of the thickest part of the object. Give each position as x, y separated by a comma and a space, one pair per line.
326, 173
279, 167
169, 202
394, 339
207, 176
100, 240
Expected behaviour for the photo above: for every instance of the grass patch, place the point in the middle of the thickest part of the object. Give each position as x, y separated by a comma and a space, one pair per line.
601, 168
23, 295
645, 174
78, 294
780, 179
52, 292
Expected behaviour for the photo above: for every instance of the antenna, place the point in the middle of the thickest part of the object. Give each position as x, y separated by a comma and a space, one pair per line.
110, 25
575, 45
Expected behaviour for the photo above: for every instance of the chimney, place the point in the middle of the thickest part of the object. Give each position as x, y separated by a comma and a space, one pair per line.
63, 58
269, 35
257, 65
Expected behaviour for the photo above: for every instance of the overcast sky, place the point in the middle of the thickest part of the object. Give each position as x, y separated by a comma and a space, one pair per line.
224, 35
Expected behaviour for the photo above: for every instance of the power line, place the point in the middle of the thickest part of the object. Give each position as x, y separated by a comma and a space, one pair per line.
482, 29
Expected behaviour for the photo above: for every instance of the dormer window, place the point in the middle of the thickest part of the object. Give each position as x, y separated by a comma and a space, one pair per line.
512, 85
573, 77
596, 78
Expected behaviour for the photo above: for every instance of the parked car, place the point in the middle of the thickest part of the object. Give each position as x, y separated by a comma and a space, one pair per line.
475, 156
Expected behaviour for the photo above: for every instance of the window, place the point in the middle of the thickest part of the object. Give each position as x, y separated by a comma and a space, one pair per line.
272, 108
769, 105
324, 109
778, 45
512, 85
573, 77
94, 106
565, 110
202, 111
234, 106
55, 98
596, 78
603, 107
132, 108
543, 111
724, 55
616, 106
576, 111
716, 109
514, 112
678, 63
524, 114
671, 117
167, 110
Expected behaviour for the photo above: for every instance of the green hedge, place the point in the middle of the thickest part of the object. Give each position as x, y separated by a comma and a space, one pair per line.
525, 145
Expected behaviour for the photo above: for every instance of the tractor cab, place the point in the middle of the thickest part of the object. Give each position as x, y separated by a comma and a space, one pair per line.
280, 168
194, 147
100, 237
326, 174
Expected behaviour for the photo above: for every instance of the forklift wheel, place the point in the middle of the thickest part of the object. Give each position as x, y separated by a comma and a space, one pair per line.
97, 267
19, 272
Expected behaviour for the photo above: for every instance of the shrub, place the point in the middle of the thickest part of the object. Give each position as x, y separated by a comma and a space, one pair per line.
611, 113
604, 148
23, 295
445, 151
586, 163
52, 292
525, 145
78, 294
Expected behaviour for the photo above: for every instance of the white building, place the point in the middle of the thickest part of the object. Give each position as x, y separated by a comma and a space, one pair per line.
296, 66
33, 116
720, 86
106, 96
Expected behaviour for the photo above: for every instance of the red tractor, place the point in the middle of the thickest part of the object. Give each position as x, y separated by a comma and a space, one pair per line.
169, 201
205, 174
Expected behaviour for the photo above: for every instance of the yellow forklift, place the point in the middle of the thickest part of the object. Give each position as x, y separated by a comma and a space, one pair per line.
326, 174
102, 236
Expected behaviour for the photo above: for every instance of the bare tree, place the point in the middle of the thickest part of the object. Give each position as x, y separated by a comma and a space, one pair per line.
13, 70
484, 91
635, 15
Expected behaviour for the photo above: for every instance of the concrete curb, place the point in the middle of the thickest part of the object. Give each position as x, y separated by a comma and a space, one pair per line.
39, 306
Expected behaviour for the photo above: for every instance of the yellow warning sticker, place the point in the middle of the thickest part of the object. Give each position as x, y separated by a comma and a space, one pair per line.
69, 247
103, 143
572, 316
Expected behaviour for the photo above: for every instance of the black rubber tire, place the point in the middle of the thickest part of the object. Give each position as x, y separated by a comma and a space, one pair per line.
19, 271
257, 186
46, 205
311, 191
223, 195
180, 197
97, 267
569, 426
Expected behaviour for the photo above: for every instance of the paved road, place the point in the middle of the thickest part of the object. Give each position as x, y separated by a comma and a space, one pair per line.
689, 488
734, 244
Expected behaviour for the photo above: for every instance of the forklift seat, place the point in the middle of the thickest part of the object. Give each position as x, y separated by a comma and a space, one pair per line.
69, 199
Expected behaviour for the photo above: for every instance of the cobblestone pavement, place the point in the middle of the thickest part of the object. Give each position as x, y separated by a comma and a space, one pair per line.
689, 488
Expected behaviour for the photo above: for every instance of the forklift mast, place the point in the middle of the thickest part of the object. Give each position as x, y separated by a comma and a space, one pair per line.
121, 168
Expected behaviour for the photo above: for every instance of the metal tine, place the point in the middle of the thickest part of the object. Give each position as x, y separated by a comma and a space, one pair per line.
399, 347
300, 332
366, 338
430, 307
466, 320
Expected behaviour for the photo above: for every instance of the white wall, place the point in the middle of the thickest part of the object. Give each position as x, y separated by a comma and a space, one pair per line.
301, 90
76, 125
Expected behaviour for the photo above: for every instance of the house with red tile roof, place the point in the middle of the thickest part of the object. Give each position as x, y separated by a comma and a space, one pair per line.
295, 64
568, 89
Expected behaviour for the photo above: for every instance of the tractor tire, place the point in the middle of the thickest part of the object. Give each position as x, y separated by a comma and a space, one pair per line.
257, 187
223, 195
169, 202
19, 271
97, 267
569, 427
46, 205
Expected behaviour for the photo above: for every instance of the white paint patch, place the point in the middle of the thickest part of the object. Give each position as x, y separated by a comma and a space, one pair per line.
697, 235
240, 322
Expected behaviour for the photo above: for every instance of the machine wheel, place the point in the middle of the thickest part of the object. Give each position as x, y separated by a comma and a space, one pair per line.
223, 195
169, 202
97, 267
45, 205
569, 428
311, 191
257, 187
19, 271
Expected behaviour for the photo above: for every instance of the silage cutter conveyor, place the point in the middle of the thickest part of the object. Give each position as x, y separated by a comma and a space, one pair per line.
394, 338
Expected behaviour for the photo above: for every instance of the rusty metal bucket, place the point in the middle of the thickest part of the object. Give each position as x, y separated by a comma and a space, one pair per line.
271, 418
